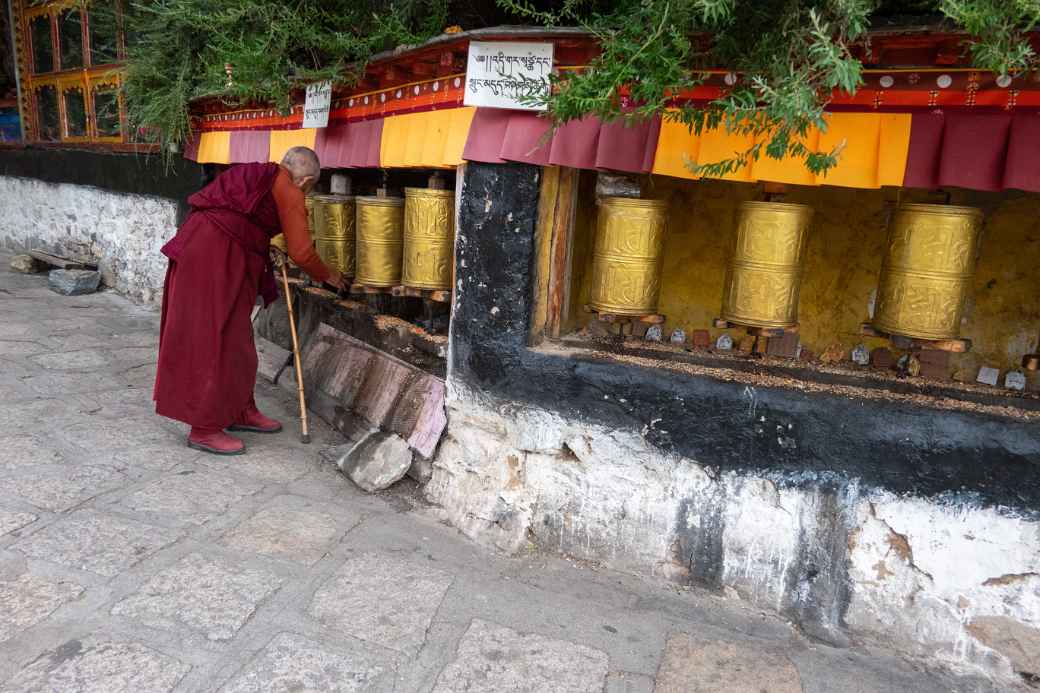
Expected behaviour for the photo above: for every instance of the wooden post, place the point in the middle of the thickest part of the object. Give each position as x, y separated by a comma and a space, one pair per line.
562, 250
556, 203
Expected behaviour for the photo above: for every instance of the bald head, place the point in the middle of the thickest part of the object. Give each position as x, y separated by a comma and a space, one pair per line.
302, 163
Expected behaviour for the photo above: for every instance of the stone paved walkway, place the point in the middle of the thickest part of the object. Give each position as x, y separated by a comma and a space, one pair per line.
130, 563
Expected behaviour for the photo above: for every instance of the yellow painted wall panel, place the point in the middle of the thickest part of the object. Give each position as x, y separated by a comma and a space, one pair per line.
858, 136
789, 170
214, 148
461, 119
893, 148
718, 145
676, 146
284, 140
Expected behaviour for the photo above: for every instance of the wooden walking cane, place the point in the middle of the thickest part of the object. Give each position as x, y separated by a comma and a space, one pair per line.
305, 436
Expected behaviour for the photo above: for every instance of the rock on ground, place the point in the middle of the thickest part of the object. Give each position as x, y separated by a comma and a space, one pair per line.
378, 462
74, 282
26, 264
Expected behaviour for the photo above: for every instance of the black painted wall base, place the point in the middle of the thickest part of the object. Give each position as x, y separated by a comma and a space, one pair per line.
138, 174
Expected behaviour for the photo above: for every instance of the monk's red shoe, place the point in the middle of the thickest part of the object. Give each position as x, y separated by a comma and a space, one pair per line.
215, 441
252, 420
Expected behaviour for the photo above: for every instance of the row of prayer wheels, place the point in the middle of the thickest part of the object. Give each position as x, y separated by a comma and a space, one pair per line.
387, 241
926, 272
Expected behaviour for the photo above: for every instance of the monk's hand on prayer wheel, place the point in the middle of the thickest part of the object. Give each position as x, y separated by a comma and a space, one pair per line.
336, 279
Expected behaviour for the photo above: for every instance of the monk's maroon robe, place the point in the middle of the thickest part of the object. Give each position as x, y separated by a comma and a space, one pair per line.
218, 263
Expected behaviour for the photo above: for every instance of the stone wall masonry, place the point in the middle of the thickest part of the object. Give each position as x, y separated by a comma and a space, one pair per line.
945, 581
122, 232
858, 519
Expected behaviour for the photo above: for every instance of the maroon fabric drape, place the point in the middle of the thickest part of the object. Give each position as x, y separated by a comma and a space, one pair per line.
922, 159
368, 143
628, 148
576, 143
486, 132
350, 145
974, 150
979, 151
249, 146
1022, 167
497, 136
191, 146
527, 139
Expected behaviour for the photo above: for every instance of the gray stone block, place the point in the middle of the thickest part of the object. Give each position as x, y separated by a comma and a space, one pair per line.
627, 682
382, 600
27, 264
378, 462
294, 663
715, 666
988, 375
357, 433
211, 596
421, 469
495, 658
1015, 380
100, 667
272, 358
74, 282
29, 599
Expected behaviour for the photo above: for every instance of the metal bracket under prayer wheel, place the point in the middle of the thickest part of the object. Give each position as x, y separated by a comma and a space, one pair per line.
625, 323
954, 346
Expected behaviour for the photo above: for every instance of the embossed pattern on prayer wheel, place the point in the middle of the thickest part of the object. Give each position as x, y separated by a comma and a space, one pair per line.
308, 202
765, 270
279, 242
429, 228
334, 219
626, 264
927, 271
380, 236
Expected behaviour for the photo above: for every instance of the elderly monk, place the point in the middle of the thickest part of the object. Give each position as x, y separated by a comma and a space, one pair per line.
218, 263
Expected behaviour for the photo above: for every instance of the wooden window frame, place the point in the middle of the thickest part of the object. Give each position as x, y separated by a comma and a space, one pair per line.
65, 85
30, 51
34, 104
93, 84
87, 77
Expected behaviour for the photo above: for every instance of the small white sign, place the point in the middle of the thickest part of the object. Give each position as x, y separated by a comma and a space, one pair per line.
505, 74
317, 105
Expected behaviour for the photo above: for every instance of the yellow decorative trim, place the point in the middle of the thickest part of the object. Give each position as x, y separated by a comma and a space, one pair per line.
31, 13
111, 79
45, 82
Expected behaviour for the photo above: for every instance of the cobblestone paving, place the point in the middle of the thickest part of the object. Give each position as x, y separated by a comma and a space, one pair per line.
129, 562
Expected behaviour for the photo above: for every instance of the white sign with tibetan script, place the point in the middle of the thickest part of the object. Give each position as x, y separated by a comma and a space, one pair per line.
317, 104
507, 74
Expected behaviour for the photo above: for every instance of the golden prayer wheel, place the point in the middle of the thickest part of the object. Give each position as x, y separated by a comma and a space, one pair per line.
765, 271
626, 264
429, 228
308, 202
279, 240
334, 218
380, 240
927, 270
